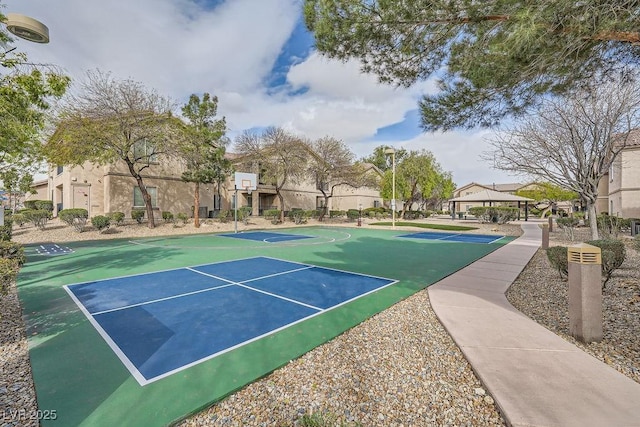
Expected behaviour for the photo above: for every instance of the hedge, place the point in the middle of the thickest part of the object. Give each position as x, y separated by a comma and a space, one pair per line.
38, 217
13, 251
138, 215
6, 230
557, 256
101, 222
8, 274
498, 214
613, 255
74, 217
43, 205
116, 217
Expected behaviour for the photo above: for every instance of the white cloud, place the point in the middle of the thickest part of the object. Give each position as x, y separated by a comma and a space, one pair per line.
178, 47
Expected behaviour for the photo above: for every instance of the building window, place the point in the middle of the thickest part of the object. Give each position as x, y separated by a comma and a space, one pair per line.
138, 201
59, 170
611, 173
144, 151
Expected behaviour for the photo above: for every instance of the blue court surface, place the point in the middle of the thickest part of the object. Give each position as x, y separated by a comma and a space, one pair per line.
265, 236
161, 323
454, 237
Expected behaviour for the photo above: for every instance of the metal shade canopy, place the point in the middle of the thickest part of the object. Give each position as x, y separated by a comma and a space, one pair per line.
27, 28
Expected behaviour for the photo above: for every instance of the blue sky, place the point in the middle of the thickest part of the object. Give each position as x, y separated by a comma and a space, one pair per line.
259, 59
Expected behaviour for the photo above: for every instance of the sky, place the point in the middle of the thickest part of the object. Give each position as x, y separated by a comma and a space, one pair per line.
258, 58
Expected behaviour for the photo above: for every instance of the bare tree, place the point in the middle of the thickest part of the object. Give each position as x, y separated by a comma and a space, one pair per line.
280, 156
572, 141
111, 121
331, 164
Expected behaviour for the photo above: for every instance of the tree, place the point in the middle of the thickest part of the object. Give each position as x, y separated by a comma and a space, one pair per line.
26, 94
493, 58
419, 178
16, 182
547, 193
114, 120
572, 141
381, 160
281, 158
331, 165
203, 146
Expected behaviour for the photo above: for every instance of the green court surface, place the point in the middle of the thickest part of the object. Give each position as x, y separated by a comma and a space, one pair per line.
78, 375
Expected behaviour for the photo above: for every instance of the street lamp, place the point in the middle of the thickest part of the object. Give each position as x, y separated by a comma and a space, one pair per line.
392, 151
27, 28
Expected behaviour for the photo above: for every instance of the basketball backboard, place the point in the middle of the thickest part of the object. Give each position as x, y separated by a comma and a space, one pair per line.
246, 181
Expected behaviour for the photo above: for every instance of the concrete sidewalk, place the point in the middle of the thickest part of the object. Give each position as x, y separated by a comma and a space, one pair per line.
535, 377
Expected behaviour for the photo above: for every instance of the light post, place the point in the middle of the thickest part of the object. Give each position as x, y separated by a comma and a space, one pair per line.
392, 151
27, 28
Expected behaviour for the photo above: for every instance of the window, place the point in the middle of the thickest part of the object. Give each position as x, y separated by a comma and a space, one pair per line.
59, 170
144, 151
138, 201
611, 173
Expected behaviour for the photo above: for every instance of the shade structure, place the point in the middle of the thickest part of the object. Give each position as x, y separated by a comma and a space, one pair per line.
491, 196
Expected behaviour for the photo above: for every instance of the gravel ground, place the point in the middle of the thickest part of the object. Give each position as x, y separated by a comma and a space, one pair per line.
398, 368
541, 294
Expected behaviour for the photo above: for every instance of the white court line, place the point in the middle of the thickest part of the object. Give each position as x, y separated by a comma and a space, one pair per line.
280, 297
162, 299
142, 380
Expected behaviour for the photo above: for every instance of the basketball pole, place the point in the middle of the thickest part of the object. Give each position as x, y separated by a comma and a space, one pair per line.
235, 210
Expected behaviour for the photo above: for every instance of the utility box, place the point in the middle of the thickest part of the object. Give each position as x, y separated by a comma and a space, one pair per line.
585, 292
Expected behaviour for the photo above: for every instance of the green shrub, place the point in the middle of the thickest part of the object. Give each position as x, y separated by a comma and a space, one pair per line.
167, 216
613, 255
101, 222
557, 256
244, 213
6, 230
44, 205
39, 218
336, 214
76, 218
300, 216
353, 214
17, 219
568, 225
40, 205
138, 215
610, 226
8, 272
183, 217
13, 251
273, 215
116, 217
499, 214
225, 216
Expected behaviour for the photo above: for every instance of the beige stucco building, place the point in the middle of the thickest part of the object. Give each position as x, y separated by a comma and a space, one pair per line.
622, 184
110, 188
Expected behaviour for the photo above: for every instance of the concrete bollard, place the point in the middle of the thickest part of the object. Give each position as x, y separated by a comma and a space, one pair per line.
585, 292
545, 236
550, 223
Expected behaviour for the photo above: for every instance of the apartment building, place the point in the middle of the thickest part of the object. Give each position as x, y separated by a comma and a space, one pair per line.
109, 188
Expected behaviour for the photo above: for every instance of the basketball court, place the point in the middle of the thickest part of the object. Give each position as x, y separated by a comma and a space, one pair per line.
148, 331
